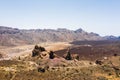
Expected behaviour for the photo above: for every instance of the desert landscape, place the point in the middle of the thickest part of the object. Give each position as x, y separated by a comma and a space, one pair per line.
59, 40
71, 58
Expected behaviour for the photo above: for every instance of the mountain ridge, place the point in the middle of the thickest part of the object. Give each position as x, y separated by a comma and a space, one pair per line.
14, 36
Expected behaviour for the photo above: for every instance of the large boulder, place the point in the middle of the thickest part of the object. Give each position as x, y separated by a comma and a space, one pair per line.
37, 50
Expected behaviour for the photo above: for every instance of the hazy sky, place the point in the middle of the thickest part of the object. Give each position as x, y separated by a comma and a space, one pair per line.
99, 16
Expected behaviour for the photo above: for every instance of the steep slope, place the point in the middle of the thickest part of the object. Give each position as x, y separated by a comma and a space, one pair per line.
13, 36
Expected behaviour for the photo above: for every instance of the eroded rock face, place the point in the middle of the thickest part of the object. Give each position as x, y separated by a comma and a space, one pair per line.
44, 55
37, 50
33, 36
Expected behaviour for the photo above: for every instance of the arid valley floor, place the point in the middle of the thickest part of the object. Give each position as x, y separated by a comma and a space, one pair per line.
90, 60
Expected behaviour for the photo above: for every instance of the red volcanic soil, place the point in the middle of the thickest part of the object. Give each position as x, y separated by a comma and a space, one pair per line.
92, 50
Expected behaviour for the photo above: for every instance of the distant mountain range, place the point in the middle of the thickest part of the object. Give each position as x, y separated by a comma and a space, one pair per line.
13, 36
111, 37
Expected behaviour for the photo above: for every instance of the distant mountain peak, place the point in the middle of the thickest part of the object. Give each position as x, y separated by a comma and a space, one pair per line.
79, 30
111, 37
92, 33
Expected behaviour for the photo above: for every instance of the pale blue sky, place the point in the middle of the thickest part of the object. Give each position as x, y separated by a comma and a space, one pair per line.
99, 16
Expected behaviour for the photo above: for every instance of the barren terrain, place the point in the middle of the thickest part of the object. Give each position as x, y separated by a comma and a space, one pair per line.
98, 60
14, 52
